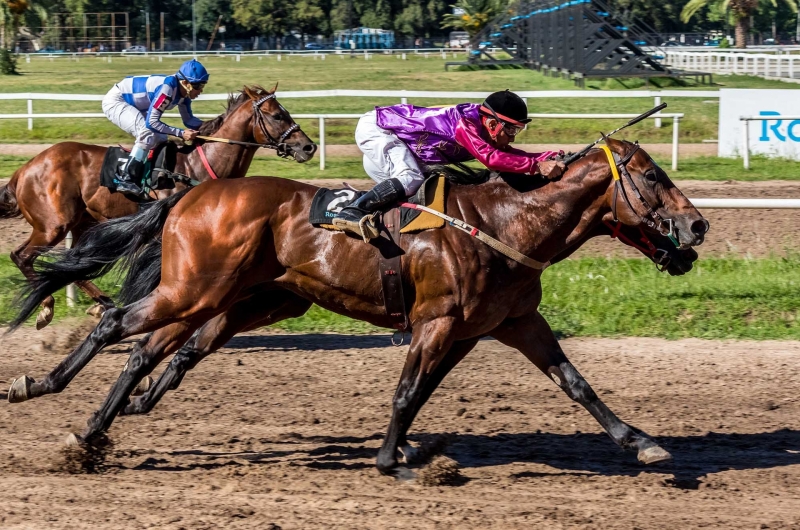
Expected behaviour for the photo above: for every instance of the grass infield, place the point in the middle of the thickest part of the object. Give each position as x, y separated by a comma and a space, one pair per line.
720, 299
96, 76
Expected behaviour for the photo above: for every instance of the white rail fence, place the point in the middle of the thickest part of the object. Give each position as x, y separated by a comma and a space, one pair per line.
402, 95
758, 64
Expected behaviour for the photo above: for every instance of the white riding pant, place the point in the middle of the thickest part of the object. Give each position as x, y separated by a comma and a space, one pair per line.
130, 119
386, 156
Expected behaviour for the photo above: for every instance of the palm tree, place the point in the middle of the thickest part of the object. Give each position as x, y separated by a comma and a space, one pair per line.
738, 10
472, 15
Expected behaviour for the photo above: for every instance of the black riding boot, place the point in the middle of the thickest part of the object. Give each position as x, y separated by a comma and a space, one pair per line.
128, 178
382, 195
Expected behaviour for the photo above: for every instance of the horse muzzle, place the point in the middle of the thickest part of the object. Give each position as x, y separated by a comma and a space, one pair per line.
690, 230
300, 152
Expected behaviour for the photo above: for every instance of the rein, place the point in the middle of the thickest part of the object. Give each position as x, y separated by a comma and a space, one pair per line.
651, 218
499, 246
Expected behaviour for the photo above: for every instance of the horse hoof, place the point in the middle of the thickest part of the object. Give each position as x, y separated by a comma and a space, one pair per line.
409, 454
96, 310
75, 440
653, 455
143, 386
20, 389
44, 318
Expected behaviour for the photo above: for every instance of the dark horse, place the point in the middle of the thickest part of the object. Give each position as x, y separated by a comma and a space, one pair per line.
59, 189
252, 241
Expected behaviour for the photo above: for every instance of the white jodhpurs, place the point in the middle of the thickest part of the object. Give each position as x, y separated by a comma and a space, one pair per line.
386, 156
130, 119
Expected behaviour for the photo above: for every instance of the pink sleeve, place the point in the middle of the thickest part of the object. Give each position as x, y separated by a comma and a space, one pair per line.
510, 160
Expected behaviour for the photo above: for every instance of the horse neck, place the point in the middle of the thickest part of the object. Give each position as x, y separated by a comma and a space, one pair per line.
226, 160
543, 223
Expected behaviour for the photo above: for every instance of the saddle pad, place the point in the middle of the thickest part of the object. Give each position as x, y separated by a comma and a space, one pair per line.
115, 157
327, 203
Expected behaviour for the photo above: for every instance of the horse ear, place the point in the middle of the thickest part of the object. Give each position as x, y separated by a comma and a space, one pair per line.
249, 92
274, 89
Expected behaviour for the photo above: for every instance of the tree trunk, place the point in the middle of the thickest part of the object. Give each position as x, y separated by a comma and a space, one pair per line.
742, 27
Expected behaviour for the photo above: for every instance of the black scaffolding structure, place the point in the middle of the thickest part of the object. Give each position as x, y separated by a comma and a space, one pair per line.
578, 39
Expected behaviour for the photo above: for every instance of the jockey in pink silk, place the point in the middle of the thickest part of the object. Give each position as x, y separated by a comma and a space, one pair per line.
398, 140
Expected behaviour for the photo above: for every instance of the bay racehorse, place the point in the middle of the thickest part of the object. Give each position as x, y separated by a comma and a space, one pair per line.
227, 246
59, 189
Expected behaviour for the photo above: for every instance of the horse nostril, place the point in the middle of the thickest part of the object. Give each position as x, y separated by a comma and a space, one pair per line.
700, 227
310, 148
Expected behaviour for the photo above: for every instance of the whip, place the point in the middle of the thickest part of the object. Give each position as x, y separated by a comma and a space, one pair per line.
575, 156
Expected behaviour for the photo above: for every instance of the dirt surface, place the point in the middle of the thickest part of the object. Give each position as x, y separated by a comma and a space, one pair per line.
280, 431
754, 233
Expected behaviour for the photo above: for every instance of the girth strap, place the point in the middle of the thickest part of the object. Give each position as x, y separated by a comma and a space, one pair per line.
205, 162
389, 267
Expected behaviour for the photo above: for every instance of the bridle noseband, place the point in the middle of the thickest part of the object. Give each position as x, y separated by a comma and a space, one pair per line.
651, 218
279, 144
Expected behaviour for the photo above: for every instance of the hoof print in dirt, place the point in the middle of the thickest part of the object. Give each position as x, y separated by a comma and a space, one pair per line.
441, 471
80, 456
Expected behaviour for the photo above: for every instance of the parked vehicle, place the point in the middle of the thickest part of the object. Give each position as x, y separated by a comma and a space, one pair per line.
135, 49
314, 46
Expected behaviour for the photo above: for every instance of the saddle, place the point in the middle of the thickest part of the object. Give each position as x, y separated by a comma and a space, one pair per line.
158, 168
327, 203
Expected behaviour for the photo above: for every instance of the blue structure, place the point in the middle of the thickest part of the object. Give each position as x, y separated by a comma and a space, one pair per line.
364, 39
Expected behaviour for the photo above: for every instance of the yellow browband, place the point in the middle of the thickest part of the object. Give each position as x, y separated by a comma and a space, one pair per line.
611, 161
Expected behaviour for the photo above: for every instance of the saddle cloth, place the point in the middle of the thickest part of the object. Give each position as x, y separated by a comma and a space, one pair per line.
160, 163
327, 203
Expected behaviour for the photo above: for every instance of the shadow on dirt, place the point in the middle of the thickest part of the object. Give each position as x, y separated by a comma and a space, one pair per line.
312, 342
580, 454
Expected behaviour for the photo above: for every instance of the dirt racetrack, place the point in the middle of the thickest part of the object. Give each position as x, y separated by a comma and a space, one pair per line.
755, 233
281, 431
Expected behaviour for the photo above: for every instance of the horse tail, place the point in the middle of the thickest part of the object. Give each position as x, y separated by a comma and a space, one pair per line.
144, 274
8, 201
97, 252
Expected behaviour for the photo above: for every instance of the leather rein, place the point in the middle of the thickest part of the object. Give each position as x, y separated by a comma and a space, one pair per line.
651, 218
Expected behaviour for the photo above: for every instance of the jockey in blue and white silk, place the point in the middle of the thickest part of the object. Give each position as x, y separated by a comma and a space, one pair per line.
136, 105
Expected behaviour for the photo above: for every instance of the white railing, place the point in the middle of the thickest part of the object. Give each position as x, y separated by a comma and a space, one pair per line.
736, 204
744, 63
746, 133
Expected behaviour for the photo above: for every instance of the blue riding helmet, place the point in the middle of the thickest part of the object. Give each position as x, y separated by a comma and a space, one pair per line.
193, 72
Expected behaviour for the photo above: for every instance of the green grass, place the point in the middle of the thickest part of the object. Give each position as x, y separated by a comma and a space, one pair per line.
349, 167
720, 299
94, 76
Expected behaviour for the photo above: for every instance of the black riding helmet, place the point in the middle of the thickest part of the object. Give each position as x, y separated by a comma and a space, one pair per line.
504, 105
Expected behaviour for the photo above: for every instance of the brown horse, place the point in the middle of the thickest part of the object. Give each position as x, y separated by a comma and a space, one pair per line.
255, 243
265, 308
59, 190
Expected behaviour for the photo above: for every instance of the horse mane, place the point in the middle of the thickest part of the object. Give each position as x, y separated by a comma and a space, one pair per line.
235, 100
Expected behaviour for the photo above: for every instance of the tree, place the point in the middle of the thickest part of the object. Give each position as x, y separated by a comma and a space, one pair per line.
267, 16
472, 15
739, 11
13, 15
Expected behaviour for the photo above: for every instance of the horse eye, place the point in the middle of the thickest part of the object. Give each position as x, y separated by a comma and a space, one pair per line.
651, 175
276, 116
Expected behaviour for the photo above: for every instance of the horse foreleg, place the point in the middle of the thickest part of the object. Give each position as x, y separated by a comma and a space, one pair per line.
455, 355
259, 310
24, 256
430, 343
532, 336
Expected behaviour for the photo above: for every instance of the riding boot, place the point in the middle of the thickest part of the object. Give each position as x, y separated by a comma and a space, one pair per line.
357, 217
128, 178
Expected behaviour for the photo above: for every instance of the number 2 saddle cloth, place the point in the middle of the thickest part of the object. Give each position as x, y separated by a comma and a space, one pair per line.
327, 203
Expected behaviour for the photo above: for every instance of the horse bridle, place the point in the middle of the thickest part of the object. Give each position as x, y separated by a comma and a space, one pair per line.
651, 218
278, 144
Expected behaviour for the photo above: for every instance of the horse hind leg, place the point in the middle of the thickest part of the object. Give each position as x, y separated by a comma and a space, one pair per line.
259, 310
533, 337
144, 358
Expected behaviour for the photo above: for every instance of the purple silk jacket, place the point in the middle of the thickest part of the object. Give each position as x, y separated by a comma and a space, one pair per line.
453, 134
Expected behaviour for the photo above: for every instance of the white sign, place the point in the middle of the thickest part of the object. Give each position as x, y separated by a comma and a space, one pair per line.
774, 137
